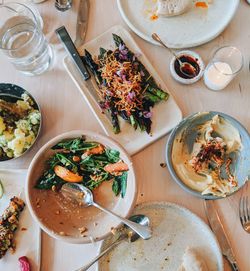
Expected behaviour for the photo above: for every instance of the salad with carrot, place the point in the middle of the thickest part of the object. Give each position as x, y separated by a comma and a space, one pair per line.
86, 162
125, 87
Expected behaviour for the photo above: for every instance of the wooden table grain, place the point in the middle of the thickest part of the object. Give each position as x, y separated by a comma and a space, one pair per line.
64, 109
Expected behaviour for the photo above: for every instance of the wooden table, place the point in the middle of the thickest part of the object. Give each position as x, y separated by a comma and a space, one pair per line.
64, 109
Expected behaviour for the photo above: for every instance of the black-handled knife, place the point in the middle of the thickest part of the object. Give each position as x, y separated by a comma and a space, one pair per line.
70, 47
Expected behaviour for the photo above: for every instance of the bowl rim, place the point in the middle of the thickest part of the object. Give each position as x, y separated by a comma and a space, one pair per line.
168, 153
41, 118
187, 81
43, 149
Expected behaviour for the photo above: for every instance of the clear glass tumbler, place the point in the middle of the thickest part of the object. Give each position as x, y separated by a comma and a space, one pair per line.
22, 39
226, 63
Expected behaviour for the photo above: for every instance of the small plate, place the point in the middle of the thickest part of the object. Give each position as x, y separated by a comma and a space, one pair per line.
12, 93
166, 114
188, 127
98, 223
187, 81
174, 229
28, 242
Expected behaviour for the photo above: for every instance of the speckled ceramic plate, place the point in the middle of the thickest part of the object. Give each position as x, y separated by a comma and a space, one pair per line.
174, 229
195, 27
188, 129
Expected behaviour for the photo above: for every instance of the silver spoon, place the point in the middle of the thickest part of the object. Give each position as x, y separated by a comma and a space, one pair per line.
192, 72
127, 235
84, 197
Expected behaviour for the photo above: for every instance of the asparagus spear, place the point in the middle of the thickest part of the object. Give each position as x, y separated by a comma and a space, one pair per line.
114, 119
93, 67
158, 92
151, 97
102, 53
148, 78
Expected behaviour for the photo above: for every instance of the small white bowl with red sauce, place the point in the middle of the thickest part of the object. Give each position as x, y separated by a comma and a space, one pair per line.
190, 57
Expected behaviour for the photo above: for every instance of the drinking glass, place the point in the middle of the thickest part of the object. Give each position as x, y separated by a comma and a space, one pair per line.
226, 63
22, 40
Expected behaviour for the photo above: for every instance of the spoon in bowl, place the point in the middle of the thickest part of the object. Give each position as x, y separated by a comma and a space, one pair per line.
185, 67
126, 234
84, 197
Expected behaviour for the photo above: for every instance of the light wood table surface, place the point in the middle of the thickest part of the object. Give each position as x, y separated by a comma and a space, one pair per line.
64, 109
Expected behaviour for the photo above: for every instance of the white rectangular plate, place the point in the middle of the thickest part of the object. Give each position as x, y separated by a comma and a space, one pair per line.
166, 115
27, 242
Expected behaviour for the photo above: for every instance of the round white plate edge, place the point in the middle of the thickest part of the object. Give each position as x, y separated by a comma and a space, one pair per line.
197, 219
145, 37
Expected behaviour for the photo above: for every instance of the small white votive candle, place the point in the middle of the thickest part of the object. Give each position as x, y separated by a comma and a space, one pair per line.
226, 63
218, 75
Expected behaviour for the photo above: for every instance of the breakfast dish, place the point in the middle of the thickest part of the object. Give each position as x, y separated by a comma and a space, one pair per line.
174, 229
26, 239
9, 222
19, 121
126, 88
206, 152
197, 25
93, 160
164, 115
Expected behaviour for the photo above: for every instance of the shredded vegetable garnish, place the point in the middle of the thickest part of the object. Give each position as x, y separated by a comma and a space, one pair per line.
126, 88
122, 83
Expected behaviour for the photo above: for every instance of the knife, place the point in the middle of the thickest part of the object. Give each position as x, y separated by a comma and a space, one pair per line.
71, 49
82, 22
217, 227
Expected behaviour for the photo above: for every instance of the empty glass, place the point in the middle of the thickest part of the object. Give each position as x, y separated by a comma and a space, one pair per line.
226, 63
22, 40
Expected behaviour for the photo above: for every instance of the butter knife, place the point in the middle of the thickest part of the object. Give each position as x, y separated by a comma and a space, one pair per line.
82, 22
217, 228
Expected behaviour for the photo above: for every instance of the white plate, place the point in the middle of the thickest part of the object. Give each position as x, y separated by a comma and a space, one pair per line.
174, 229
27, 242
166, 115
193, 28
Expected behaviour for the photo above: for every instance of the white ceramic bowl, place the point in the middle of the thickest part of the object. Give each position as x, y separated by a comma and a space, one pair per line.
120, 206
191, 80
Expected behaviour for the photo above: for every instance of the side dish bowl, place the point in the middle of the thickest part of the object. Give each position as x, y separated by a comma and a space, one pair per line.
47, 207
20, 121
185, 136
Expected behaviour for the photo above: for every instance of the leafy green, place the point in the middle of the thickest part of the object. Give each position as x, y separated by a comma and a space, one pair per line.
91, 167
47, 180
77, 144
116, 187
66, 162
120, 184
113, 155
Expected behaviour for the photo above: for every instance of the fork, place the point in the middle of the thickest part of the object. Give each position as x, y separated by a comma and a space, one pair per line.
244, 213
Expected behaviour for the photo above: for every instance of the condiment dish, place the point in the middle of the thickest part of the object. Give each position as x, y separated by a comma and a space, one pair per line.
182, 78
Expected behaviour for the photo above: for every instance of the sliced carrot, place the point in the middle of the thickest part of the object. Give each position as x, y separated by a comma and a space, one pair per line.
97, 150
117, 167
67, 175
201, 5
